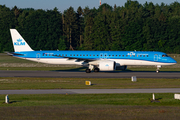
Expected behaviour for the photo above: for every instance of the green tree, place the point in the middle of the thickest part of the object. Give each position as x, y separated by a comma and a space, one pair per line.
71, 27
6, 22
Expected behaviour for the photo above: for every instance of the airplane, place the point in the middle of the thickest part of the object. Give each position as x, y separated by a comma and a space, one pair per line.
93, 60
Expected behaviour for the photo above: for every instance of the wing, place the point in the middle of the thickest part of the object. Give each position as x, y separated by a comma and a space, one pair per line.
77, 59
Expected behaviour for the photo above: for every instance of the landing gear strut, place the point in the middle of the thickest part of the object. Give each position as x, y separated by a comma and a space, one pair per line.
88, 70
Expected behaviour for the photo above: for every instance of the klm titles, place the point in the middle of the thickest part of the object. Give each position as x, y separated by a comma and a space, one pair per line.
19, 42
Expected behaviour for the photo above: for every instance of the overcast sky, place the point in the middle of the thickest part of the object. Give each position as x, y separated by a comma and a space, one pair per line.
65, 4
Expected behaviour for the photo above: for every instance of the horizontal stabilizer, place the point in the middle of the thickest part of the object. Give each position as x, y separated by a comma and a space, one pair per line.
13, 53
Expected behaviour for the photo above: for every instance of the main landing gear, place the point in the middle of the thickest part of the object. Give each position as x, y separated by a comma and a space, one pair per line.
95, 70
88, 70
91, 67
158, 67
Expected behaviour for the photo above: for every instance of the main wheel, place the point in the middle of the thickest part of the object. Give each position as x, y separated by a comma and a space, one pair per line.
96, 69
88, 70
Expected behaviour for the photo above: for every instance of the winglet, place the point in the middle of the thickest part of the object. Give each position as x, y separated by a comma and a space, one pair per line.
18, 42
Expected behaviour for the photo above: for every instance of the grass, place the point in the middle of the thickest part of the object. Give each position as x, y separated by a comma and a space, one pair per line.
90, 107
89, 112
79, 83
142, 99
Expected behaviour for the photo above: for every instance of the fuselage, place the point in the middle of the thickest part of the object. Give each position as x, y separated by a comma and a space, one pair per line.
120, 57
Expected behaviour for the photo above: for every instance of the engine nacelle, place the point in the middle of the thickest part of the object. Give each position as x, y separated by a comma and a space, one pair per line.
107, 65
124, 67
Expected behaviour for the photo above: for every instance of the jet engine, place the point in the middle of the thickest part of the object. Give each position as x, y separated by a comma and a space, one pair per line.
107, 65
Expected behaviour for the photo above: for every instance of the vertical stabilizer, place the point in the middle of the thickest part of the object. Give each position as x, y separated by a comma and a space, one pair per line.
18, 42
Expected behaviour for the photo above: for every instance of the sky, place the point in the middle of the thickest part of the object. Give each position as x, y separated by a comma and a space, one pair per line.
65, 4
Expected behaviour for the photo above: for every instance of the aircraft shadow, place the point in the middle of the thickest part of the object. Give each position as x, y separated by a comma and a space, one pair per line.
82, 69
79, 69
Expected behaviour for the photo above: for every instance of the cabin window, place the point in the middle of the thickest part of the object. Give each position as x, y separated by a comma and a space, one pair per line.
87, 55
70, 55
126, 55
74, 55
116, 55
133, 55
119, 55
123, 55
80, 55
140, 55
83, 55
143, 55
113, 55
147, 56
66, 54
109, 55
93, 55
97, 55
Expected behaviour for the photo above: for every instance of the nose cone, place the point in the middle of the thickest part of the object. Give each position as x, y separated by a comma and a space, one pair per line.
171, 60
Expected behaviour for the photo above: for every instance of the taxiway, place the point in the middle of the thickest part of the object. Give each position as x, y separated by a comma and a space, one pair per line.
73, 74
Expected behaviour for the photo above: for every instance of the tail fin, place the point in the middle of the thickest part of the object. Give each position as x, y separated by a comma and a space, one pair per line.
18, 42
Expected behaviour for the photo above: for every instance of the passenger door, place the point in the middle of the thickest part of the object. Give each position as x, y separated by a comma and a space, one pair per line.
155, 57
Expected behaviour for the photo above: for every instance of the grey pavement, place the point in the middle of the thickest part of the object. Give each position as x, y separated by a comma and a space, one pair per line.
91, 91
73, 74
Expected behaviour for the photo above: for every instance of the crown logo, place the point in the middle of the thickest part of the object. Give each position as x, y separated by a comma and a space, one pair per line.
19, 40
106, 65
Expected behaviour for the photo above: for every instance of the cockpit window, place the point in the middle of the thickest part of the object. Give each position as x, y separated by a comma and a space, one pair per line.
164, 55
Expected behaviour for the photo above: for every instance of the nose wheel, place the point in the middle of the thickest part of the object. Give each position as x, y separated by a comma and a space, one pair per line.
157, 71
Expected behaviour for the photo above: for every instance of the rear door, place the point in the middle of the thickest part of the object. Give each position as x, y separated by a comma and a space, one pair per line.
38, 56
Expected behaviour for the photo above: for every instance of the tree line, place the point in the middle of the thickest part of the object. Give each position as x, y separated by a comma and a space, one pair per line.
134, 26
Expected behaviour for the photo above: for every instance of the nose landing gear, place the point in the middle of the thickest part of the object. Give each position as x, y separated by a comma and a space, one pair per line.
158, 67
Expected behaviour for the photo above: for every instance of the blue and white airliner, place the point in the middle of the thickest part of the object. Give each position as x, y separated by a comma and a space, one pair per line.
93, 60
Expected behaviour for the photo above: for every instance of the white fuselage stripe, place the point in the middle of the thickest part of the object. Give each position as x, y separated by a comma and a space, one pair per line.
118, 61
